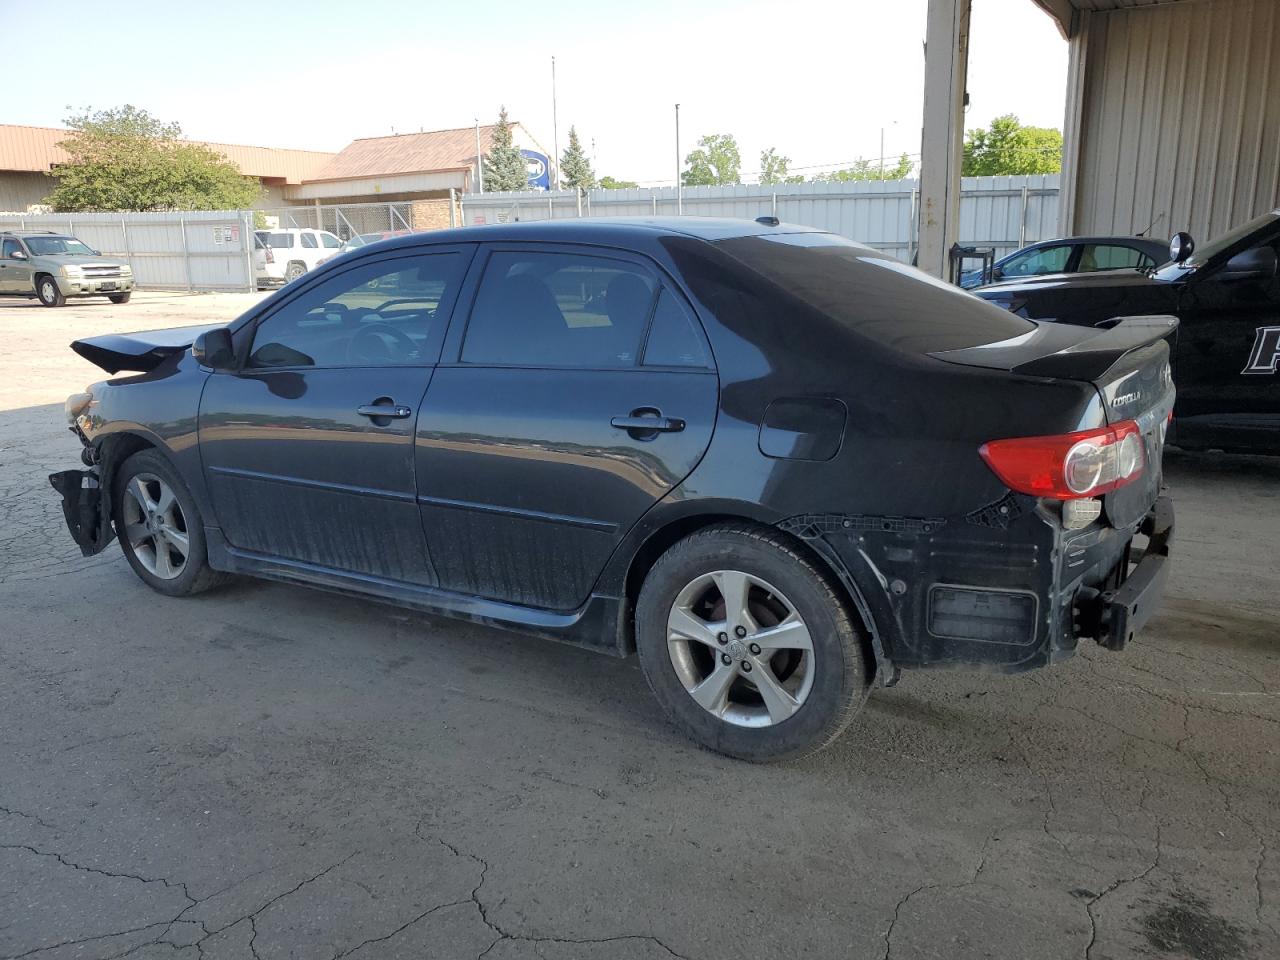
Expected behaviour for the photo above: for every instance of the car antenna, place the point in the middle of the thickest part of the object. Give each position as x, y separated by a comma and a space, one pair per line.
1143, 233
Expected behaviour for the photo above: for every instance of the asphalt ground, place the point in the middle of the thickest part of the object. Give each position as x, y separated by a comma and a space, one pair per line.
268, 771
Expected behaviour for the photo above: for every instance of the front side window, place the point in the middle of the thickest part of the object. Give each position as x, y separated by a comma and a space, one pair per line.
559, 310
11, 246
309, 241
1037, 262
1109, 256
330, 241
57, 246
382, 313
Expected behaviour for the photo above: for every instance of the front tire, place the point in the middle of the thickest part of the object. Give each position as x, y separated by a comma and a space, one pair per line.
160, 528
47, 291
748, 645
120, 297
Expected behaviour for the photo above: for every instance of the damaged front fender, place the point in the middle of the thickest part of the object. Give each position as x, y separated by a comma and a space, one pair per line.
86, 507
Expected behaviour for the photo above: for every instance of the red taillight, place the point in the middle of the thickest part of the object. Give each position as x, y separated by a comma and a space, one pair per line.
271, 257
1069, 466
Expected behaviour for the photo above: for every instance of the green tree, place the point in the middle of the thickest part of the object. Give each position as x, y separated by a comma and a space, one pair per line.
611, 183
1007, 147
715, 162
866, 170
504, 166
575, 165
773, 169
126, 159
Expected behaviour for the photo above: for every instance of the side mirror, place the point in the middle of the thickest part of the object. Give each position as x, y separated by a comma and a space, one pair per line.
1257, 264
18, 255
213, 349
1181, 246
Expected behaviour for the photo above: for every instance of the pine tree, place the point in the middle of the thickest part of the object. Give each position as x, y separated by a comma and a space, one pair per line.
575, 167
504, 167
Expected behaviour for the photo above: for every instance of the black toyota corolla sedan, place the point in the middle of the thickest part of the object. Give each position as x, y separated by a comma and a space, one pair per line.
776, 464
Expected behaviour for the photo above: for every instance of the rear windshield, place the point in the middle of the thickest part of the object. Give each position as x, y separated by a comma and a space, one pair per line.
879, 297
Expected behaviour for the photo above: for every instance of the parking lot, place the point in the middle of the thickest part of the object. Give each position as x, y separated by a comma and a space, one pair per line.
267, 771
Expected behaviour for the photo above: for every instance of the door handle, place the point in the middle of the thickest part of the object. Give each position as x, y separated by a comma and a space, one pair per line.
645, 423
385, 411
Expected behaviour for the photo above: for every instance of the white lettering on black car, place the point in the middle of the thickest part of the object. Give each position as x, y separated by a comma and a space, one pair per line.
1266, 351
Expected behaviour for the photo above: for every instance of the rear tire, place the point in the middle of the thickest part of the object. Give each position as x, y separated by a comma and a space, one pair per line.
294, 271
47, 291
779, 682
120, 297
160, 528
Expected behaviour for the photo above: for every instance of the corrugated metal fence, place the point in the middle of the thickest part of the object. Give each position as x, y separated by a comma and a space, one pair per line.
192, 250
1001, 212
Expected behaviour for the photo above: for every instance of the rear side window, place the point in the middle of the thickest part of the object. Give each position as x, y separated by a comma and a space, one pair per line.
558, 310
1107, 256
309, 241
277, 241
863, 290
674, 340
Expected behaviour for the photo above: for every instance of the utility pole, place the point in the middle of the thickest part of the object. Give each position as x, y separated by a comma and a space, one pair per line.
479, 159
679, 185
555, 126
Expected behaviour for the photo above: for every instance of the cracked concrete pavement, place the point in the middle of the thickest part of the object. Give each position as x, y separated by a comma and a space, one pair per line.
269, 772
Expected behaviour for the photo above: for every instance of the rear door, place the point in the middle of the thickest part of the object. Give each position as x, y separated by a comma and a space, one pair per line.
577, 392
308, 447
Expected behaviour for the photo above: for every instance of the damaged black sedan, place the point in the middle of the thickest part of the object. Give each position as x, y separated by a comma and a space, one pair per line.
779, 466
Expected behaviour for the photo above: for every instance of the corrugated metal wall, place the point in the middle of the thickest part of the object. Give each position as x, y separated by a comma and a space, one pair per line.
1180, 119
200, 250
1000, 212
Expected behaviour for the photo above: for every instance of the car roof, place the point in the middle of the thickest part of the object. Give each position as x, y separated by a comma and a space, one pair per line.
602, 230
33, 233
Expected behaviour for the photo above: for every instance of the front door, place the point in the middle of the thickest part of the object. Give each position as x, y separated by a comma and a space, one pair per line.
1227, 368
15, 271
308, 447
582, 392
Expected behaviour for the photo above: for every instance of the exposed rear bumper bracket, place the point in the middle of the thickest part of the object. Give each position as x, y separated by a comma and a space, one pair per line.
85, 508
1122, 612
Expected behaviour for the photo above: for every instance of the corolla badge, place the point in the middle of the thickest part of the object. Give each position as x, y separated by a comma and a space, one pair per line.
1266, 351
1125, 398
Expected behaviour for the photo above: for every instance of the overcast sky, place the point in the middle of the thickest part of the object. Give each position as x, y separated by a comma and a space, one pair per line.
817, 80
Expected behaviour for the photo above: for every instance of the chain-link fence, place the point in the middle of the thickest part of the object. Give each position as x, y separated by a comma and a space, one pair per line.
353, 219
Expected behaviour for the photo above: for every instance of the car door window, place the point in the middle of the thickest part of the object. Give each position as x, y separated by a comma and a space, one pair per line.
1035, 262
1110, 256
277, 241
10, 247
559, 310
386, 312
674, 337
309, 241
330, 241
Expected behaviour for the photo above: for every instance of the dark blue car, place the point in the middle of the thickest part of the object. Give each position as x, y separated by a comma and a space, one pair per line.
1073, 255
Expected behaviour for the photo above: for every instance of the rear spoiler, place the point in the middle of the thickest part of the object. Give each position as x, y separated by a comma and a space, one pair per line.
1065, 350
142, 352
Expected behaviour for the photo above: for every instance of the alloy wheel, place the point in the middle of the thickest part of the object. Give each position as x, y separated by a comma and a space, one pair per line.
740, 648
155, 526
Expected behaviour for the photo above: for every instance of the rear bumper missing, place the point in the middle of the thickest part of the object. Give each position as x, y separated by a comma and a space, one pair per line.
1112, 617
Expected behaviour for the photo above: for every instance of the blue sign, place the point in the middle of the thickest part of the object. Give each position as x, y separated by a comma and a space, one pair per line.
539, 169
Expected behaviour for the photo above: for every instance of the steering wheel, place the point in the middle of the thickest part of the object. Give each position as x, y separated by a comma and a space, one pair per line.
374, 332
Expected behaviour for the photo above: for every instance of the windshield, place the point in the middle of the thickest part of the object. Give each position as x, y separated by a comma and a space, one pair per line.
1217, 246
877, 296
56, 246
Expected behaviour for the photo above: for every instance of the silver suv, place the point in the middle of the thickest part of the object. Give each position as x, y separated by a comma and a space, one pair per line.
52, 267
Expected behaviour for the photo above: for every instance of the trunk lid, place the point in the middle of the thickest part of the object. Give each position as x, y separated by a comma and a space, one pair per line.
1128, 364
142, 352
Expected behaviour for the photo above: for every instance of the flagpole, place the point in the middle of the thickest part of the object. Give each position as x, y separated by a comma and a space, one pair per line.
479, 158
679, 185
555, 126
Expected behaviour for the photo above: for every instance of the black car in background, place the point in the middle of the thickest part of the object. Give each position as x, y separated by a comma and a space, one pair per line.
1225, 353
775, 463
1072, 255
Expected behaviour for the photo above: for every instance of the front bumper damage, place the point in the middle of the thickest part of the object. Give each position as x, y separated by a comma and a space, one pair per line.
86, 507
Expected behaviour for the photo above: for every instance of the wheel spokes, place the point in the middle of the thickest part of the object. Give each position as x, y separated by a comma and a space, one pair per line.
682, 624
777, 701
735, 587
179, 541
138, 491
790, 634
713, 693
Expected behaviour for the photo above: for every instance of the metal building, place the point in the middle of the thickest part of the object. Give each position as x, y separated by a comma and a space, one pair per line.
1172, 118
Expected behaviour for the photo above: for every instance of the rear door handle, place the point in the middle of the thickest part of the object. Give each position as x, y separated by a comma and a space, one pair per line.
647, 427
385, 411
